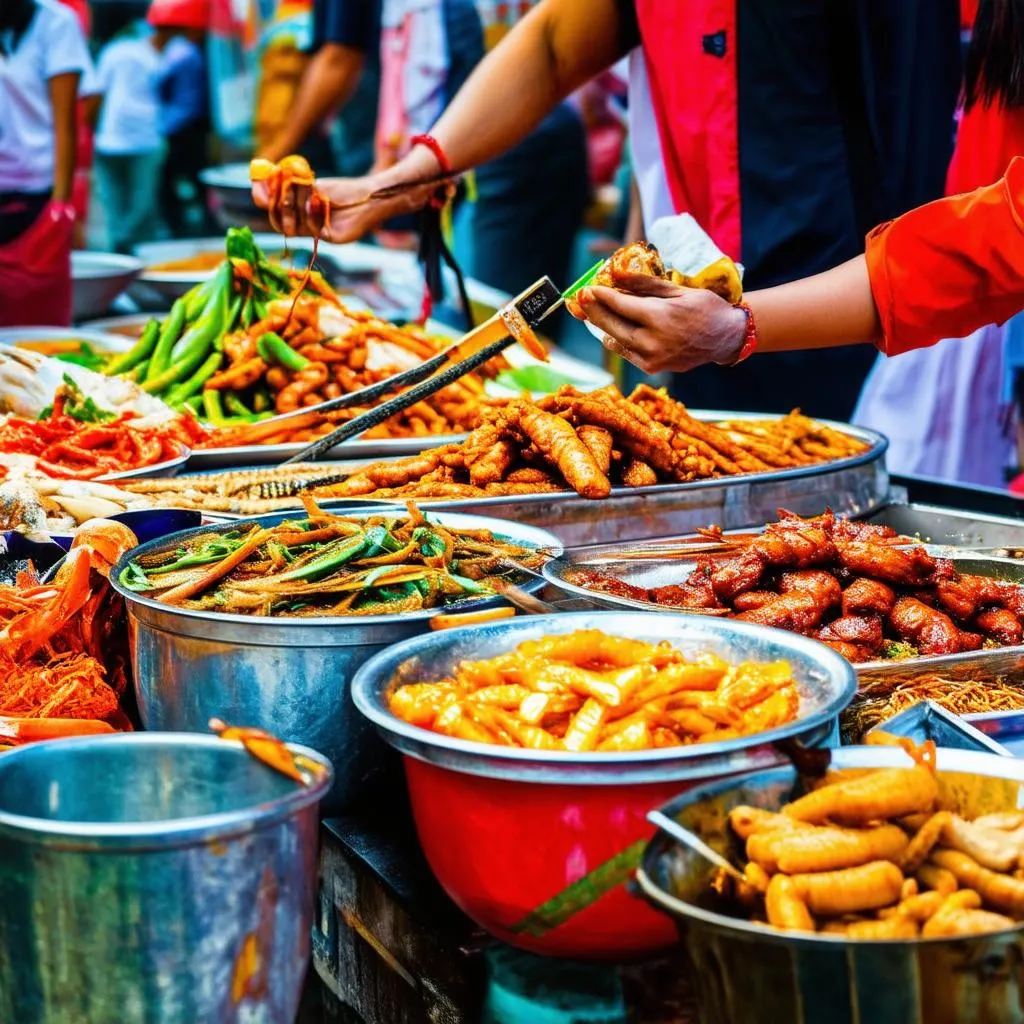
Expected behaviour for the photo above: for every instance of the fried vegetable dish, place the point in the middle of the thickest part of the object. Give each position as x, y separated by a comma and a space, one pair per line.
62, 665
590, 691
325, 564
858, 587
874, 855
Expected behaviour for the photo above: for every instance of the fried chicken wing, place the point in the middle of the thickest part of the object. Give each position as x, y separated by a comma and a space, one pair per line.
965, 596
696, 592
1001, 624
798, 611
930, 630
868, 597
821, 585
753, 599
794, 544
911, 568
733, 576
860, 630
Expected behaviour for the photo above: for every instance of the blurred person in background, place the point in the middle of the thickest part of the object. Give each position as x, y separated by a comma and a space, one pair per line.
529, 201
947, 410
786, 128
129, 145
184, 117
83, 160
43, 56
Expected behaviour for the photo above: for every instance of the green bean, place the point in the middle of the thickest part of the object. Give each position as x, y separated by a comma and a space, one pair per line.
235, 405
212, 408
272, 348
232, 318
139, 373
170, 331
141, 350
194, 384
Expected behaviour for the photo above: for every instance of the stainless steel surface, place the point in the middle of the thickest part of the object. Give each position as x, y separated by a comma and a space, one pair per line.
695, 843
229, 197
97, 278
826, 683
169, 467
927, 720
287, 675
144, 877
746, 973
853, 486
984, 664
935, 525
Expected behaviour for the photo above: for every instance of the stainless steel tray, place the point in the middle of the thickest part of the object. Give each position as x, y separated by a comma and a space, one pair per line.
934, 524
927, 720
649, 573
854, 486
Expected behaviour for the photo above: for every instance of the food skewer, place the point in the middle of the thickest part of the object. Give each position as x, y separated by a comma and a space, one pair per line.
513, 322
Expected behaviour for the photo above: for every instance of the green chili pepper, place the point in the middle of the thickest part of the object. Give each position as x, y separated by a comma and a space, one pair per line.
212, 408
134, 578
272, 348
234, 310
139, 373
211, 551
187, 388
141, 350
470, 586
235, 405
334, 555
170, 331
430, 543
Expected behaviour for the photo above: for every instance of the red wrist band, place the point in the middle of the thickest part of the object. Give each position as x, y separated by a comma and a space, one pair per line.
435, 147
749, 337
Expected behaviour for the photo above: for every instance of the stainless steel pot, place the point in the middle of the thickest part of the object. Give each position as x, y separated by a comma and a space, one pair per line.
746, 973
287, 675
97, 278
153, 879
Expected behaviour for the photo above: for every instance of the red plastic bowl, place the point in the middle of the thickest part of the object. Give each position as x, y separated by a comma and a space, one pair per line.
536, 846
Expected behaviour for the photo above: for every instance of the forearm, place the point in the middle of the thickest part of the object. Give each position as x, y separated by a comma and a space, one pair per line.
327, 85
824, 311
63, 95
551, 52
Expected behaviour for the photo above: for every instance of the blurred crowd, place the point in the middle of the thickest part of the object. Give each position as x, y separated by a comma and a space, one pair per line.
788, 128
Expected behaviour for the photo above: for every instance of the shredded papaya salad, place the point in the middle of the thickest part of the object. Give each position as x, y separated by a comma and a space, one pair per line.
326, 564
76, 438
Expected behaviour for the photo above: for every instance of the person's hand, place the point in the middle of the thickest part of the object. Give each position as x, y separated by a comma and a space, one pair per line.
659, 326
299, 212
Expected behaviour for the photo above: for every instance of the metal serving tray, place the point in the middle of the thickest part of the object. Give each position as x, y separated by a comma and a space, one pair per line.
933, 524
927, 720
854, 486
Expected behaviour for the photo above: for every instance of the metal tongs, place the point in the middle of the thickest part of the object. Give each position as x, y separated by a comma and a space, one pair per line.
474, 349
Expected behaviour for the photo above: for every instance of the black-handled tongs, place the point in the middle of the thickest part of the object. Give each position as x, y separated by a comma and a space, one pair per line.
474, 349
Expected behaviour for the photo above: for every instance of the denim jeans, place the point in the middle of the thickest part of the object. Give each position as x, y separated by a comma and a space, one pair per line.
128, 187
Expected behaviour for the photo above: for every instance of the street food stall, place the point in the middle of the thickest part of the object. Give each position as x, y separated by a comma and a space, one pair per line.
604, 701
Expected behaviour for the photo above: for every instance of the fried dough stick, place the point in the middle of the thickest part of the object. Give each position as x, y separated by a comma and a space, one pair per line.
560, 445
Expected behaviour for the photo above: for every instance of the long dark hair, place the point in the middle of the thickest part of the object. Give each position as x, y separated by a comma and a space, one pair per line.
15, 17
994, 72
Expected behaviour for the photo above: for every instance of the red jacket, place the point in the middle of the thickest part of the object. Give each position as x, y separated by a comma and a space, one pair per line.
950, 267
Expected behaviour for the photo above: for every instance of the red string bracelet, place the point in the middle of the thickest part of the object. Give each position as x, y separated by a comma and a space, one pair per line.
435, 147
749, 337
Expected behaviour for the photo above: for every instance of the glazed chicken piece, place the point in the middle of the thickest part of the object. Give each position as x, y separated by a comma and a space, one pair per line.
1001, 625
851, 531
860, 630
610, 585
696, 592
820, 585
797, 611
904, 568
965, 596
794, 544
636, 258
732, 576
929, 629
851, 652
753, 599
868, 597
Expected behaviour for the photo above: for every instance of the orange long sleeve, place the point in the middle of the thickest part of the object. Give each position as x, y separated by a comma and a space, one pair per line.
948, 268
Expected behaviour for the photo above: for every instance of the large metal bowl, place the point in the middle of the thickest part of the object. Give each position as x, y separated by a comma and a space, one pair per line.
513, 835
287, 675
97, 278
229, 197
746, 973
153, 879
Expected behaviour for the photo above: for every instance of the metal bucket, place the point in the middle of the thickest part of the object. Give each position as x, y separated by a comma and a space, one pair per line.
158, 879
287, 675
746, 973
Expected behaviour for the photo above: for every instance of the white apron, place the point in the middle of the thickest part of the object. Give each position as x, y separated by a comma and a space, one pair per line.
943, 409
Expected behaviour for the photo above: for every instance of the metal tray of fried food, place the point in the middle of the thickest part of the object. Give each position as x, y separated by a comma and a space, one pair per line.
853, 486
927, 720
644, 568
932, 524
